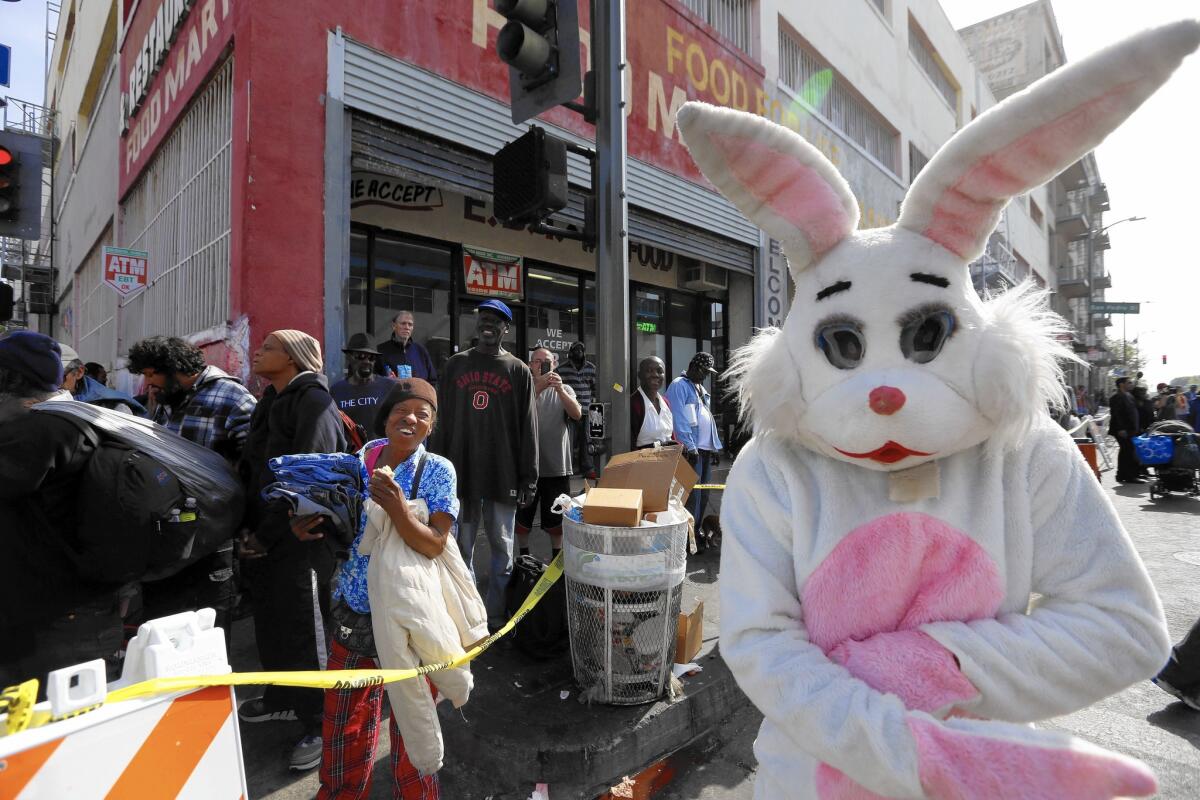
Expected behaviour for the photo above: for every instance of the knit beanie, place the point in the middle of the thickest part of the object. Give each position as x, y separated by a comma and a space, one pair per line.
34, 356
302, 348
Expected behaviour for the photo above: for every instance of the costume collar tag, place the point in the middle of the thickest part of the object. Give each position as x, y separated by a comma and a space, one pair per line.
922, 482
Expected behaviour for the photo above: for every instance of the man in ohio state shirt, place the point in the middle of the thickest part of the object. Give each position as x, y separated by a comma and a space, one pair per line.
487, 427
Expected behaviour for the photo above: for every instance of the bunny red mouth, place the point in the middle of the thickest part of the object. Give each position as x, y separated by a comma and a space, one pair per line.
890, 453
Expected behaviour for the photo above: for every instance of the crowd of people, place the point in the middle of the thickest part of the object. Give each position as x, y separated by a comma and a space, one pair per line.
483, 446
1134, 409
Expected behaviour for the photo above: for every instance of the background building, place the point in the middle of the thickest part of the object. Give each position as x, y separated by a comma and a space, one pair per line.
301, 165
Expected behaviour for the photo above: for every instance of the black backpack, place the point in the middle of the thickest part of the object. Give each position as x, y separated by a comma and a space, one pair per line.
150, 502
543, 632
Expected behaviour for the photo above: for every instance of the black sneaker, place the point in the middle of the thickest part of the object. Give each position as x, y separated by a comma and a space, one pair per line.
257, 711
1189, 699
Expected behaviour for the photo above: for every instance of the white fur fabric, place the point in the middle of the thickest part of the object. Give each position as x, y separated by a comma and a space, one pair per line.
1042, 520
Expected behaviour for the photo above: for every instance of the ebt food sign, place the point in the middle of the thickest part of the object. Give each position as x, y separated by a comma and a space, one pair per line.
126, 270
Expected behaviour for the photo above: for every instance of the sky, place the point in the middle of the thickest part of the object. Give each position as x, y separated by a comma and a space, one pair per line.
1151, 165
23, 28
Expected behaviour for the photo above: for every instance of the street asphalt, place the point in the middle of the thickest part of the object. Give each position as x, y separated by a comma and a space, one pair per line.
1142, 721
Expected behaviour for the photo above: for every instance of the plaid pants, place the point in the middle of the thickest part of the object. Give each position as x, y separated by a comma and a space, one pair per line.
350, 731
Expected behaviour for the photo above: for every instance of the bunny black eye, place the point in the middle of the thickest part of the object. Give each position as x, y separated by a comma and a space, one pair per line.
842, 342
923, 333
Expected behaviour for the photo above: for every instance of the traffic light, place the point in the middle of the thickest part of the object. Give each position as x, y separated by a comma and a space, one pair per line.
540, 44
20, 185
7, 298
529, 178
1164, 358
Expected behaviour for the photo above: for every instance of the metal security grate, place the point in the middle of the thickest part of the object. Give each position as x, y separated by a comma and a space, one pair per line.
807, 76
179, 213
624, 587
931, 63
731, 18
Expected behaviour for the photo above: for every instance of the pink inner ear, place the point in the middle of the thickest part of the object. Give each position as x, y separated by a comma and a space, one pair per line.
793, 190
965, 208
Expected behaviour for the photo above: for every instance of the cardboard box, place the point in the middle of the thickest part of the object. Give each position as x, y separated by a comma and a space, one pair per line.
619, 508
690, 634
652, 470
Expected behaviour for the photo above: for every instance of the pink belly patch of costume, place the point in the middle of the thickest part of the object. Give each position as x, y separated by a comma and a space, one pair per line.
864, 604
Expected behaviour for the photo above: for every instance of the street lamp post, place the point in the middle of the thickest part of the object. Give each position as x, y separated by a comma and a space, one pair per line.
1090, 256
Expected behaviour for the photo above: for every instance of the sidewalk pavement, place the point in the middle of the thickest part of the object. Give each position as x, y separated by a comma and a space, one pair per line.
518, 730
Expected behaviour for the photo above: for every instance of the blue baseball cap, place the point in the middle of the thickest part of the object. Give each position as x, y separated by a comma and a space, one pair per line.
498, 306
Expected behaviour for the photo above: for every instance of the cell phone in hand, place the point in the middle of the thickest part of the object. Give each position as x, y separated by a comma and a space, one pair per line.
545, 367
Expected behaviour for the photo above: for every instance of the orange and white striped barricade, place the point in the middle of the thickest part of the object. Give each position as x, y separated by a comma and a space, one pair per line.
184, 744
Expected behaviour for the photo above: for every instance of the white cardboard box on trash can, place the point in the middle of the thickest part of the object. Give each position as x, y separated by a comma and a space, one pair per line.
657, 471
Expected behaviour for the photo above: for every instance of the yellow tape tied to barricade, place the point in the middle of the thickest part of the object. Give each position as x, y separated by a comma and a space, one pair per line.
20, 700
708, 486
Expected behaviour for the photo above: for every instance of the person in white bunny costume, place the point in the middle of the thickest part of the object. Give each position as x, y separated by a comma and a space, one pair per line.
917, 562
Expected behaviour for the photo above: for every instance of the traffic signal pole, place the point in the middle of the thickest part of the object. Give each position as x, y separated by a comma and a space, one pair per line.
612, 220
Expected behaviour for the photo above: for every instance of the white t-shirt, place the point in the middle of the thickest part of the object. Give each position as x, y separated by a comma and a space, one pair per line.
657, 426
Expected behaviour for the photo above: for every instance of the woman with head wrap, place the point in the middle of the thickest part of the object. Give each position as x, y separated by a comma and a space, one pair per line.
290, 578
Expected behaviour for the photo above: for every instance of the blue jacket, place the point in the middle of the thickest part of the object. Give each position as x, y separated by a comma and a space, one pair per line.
98, 394
333, 484
685, 399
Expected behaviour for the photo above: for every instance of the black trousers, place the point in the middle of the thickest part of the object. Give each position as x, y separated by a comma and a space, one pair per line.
1128, 467
206, 584
291, 602
1183, 670
89, 631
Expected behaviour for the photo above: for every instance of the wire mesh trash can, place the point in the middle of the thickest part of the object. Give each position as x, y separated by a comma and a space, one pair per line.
623, 594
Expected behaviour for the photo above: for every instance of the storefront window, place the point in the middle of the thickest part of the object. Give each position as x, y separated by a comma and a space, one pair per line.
683, 331
466, 326
551, 310
589, 318
389, 274
356, 312
649, 325
714, 333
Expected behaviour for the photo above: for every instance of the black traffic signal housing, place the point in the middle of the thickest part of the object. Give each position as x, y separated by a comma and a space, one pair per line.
7, 299
529, 178
540, 44
20, 185
1164, 359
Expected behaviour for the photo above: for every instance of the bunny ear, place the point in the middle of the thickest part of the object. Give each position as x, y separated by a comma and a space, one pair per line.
1032, 136
779, 181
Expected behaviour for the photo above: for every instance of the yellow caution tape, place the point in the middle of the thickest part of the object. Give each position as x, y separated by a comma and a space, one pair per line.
310, 679
708, 486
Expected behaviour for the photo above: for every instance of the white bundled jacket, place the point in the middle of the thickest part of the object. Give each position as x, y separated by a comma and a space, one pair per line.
423, 611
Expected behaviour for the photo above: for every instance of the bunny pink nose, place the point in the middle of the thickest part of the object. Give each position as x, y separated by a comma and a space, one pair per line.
886, 400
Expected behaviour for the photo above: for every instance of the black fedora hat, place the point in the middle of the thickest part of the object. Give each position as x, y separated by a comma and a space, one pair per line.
359, 343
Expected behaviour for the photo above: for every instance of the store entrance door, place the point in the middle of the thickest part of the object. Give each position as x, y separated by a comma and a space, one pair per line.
514, 341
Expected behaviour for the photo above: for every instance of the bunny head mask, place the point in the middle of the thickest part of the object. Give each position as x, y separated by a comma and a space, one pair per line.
888, 358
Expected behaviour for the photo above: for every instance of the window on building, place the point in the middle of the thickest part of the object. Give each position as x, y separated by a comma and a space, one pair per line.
390, 273
551, 309
881, 5
916, 162
818, 86
408, 275
1035, 212
931, 63
650, 325
1022, 266
731, 18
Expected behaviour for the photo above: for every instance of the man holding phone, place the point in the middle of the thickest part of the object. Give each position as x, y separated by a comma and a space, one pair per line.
556, 406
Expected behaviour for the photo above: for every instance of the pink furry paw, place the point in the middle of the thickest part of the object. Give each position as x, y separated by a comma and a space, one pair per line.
910, 665
965, 762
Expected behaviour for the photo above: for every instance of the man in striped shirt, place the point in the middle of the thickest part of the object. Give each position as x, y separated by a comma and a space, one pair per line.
580, 374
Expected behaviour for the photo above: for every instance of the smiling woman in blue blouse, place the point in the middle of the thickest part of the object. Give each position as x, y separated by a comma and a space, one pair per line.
352, 716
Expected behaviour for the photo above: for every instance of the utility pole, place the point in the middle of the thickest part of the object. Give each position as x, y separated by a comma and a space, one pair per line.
612, 220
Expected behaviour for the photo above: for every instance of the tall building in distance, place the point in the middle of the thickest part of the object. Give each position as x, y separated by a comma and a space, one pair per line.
1011, 51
